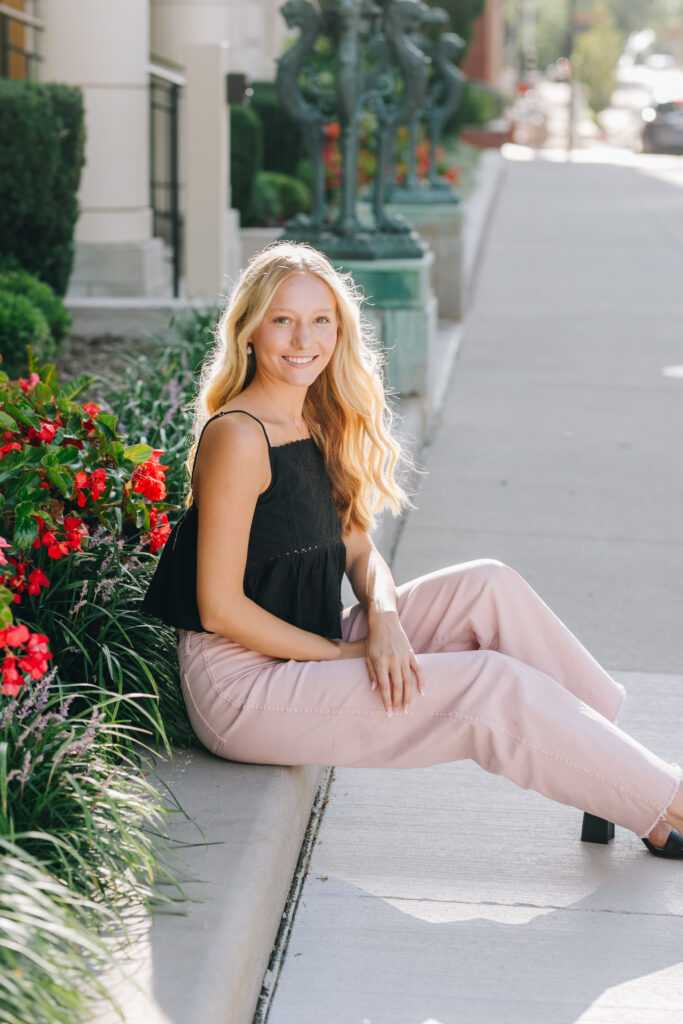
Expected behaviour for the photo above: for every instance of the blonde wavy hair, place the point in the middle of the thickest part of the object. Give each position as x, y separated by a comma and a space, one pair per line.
345, 408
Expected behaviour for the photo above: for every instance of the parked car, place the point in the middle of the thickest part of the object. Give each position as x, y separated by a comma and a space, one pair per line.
663, 127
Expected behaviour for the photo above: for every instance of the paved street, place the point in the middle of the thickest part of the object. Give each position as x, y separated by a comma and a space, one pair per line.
447, 895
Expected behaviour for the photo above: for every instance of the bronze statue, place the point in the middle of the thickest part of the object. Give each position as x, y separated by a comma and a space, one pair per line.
402, 21
304, 15
444, 98
378, 68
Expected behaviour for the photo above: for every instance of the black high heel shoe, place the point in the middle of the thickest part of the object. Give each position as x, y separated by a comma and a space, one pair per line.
672, 849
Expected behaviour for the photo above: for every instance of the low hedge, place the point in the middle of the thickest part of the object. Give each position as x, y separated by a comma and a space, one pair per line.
246, 155
277, 197
42, 138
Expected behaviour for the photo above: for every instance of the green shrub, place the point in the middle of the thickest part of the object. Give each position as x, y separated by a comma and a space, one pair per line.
277, 197
283, 141
246, 155
20, 282
480, 104
41, 157
22, 324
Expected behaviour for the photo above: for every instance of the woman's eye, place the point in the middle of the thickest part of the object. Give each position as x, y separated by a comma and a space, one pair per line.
322, 319
281, 320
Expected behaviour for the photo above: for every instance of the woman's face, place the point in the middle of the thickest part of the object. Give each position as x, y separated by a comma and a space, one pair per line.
295, 340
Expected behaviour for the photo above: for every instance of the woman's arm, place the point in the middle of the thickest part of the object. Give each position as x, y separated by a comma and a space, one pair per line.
389, 656
232, 470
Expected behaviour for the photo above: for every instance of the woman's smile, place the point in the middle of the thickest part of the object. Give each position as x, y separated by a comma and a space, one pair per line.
299, 360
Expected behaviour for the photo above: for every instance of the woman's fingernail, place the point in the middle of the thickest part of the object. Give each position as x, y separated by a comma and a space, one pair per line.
390, 713
406, 709
374, 685
423, 691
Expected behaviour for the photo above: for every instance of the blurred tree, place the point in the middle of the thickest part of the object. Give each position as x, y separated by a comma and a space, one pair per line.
596, 53
552, 16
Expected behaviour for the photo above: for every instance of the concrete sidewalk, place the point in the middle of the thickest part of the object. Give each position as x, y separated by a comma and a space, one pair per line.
447, 895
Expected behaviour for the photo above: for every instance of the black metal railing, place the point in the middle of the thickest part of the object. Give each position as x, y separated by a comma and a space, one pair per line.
164, 182
19, 57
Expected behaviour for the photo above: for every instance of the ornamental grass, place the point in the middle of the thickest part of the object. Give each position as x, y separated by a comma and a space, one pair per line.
86, 685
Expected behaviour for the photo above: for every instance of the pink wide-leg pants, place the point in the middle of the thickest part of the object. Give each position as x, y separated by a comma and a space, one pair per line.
507, 685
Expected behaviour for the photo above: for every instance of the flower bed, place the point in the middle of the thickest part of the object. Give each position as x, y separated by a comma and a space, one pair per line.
82, 515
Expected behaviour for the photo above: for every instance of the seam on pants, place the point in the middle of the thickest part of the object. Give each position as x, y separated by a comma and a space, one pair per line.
436, 714
219, 740
547, 753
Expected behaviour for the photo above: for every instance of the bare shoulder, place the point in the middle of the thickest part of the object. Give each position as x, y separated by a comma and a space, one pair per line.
232, 445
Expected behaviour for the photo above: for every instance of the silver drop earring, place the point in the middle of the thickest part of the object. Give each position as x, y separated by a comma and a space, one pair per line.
249, 350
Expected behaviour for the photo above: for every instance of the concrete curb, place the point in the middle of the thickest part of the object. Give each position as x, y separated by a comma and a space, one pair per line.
210, 965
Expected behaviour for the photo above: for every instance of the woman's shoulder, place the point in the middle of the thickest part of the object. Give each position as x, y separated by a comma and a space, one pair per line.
232, 444
242, 428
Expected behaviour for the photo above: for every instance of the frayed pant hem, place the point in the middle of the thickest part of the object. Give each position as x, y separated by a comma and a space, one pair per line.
662, 815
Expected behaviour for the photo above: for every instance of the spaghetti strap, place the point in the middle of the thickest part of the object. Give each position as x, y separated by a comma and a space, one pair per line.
226, 412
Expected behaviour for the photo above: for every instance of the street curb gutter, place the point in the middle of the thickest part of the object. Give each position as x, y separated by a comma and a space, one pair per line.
209, 966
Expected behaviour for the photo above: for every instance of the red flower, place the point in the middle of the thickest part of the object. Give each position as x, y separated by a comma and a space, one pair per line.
149, 478
34, 661
80, 483
98, 483
11, 680
160, 530
75, 530
36, 580
12, 447
3, 544
91, 408
12, 636
26, 385
58, 549
46, 433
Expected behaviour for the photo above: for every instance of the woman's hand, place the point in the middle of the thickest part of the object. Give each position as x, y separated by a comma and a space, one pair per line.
391, 661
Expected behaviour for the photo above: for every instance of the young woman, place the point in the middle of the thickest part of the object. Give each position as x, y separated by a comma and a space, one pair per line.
292, 459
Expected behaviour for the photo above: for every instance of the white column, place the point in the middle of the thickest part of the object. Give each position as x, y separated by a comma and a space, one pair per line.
103, 47
176, 24
206, 171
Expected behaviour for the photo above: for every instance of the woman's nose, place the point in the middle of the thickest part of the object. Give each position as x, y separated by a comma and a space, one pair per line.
302, 336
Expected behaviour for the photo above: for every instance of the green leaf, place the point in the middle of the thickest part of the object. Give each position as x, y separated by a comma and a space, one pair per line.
69, 455
108, 420
48, 375
25, 532
74, 387
138, 453
6, 605
63, 483
26, 419
25, 508
41, 393
6, 422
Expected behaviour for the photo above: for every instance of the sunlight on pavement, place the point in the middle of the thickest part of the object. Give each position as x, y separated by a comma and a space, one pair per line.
629, 1003
432, 912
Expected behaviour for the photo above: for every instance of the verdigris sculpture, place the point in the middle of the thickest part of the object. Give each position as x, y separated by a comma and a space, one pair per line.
306, 16
444, 94
366, 78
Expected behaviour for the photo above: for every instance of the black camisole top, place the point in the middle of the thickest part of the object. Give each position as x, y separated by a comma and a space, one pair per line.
295, 558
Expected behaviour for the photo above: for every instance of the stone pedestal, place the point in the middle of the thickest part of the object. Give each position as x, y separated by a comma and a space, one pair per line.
441, 226
403, 310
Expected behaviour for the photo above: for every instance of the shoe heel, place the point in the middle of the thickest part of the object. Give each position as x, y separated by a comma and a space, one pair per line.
596, 830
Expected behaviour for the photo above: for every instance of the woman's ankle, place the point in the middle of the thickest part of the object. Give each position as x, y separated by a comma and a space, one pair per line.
659, 834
